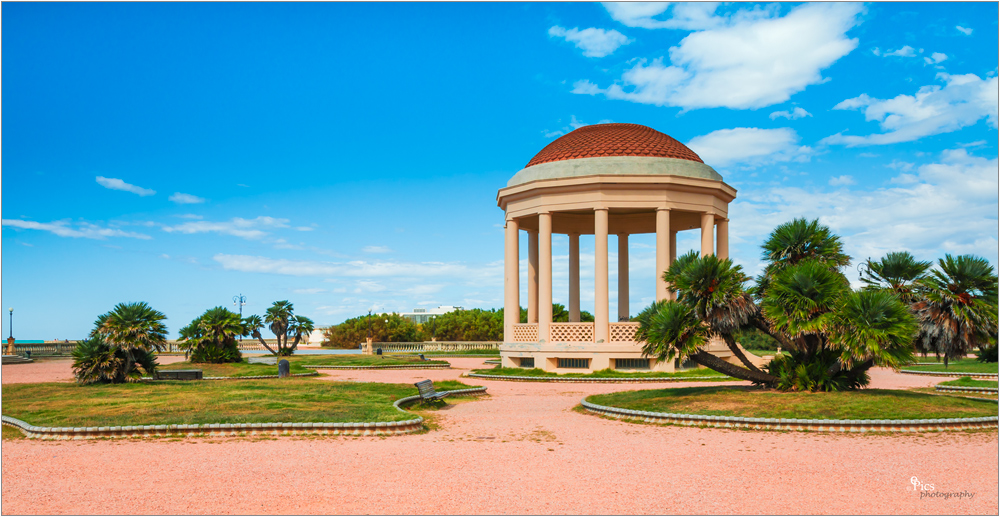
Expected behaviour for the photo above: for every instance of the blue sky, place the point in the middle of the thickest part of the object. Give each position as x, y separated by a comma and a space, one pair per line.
347, 156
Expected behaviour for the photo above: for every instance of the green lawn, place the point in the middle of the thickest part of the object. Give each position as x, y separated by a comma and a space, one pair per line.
962, 365
969, 382
537, 372
485, 353
295, 364
184, 402
751, 402
360, 360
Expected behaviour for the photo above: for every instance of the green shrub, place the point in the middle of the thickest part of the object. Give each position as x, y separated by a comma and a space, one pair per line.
97, 361
987, 354
797, 372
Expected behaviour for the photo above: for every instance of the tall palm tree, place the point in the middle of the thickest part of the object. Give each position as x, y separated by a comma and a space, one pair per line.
277, 318
958, 310
898, 272
299, 326
251, 327
796, 241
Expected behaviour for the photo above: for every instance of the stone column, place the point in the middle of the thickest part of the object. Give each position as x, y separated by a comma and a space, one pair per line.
707, 229
623, 312
673, 257
664, 251
574, 277
532, 277
601, 306
511, 282
544, 275
722, 238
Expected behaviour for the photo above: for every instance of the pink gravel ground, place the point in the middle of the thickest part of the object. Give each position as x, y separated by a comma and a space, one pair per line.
522, 450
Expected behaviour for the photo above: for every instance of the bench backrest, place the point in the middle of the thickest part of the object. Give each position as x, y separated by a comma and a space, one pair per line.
426, 388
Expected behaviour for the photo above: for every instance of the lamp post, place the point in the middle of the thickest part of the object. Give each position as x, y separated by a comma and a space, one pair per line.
240, 301
10, 340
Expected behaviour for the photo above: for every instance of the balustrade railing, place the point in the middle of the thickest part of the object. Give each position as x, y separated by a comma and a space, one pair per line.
581, 332
623, 332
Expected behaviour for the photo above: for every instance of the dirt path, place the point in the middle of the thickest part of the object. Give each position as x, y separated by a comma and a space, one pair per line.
523, 450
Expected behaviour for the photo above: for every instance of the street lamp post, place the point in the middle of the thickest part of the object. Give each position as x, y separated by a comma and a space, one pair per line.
240, 301
10, 340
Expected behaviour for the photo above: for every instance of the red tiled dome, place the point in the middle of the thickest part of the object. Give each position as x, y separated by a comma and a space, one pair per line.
613, 140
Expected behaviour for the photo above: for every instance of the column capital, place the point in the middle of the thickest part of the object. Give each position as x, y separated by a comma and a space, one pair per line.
662, 209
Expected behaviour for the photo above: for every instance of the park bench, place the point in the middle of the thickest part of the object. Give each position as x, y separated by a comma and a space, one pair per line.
427, 391
422, 358
180, 375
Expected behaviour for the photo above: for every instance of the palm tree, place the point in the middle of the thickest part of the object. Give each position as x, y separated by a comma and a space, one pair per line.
277, 318
211, 337
299, 326
122, 342
898, 272
251, 327
798, 240
958, 310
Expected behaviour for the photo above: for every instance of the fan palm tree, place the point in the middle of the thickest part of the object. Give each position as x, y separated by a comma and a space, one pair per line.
796, 241
299, 326
898, 272
122, 341
211, 337
277, 318
251, 327
958, 310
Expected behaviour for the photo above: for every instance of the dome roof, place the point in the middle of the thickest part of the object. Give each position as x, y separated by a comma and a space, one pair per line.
614, 149
613, 140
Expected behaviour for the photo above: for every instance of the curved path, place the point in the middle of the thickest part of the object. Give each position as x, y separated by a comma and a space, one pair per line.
522, 450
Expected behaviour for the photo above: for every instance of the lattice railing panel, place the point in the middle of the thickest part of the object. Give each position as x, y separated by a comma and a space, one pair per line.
623, 332
525, 333
571, 332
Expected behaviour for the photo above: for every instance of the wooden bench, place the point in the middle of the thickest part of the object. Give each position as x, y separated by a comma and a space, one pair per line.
427, 391
180, 375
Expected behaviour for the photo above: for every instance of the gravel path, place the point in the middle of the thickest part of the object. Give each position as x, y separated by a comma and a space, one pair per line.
522, 450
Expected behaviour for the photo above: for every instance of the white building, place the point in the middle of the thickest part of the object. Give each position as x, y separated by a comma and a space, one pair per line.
423, 315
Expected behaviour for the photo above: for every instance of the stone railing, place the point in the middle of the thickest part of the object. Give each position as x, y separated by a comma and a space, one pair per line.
438, 346
525, 332
66, 347
625, 380
622, 332
577, 332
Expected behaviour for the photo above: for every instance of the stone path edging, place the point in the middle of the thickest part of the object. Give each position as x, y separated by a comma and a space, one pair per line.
796, 424
951, 374
248, 377
270, 428
588, 379
381, 367
966, 389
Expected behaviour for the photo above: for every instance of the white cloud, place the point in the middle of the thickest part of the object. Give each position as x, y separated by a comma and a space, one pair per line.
574, 123
304, 228
963, 30
117, 184
376, 249
186, 199
593, 42
749, 146
906, 51
963, 101
686, 16
359, 268
842, 181
935, 58
768, 56
899, 166
948, 206
80, 230
791, 115
190, 216
237, 227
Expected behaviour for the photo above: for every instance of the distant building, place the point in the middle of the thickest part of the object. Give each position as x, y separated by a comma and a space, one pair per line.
423, 315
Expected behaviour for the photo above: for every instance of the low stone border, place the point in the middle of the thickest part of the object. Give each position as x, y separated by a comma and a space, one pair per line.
525, 378
246, 378
966, 389
796, 424
271, 428
951, 374
381, 367
492, 361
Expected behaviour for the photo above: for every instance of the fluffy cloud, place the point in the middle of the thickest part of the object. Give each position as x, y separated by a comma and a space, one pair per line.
963, 101
79, 230
186, 199
255, 264
948, 206
686, 16
117, 184
749, 146
770, 57
906, 51
963, 30
593, 42
791, 115
935, 58
237, 227
842, 181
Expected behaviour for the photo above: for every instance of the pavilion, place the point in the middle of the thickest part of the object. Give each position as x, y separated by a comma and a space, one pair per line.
604, 179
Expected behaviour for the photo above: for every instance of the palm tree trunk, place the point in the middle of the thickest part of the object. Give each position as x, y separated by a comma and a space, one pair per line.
735, 349
762, 326
714, 363
261, 339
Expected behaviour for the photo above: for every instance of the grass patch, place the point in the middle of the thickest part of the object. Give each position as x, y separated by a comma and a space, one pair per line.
621, 374
962, 365
360, 360
969, 383
484, 353
187, 402
295, 364
9, 433
751, 402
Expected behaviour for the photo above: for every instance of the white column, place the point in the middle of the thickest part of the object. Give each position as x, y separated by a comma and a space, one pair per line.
511, 304
601, 308
707, 229
673, 257
722, 237
544, 275
664, 249
623, 312
574, 277
532, 276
